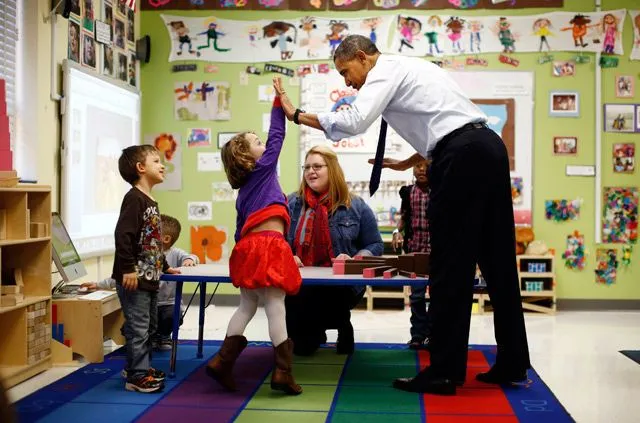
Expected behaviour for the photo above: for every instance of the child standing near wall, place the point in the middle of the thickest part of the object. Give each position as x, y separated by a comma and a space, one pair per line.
138, 263
167, 290
262, 263
415, 225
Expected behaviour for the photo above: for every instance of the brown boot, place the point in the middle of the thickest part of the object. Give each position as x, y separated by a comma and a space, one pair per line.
220, 367
282, 378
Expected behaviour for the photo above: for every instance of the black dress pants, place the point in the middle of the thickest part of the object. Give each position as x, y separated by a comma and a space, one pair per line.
471, 221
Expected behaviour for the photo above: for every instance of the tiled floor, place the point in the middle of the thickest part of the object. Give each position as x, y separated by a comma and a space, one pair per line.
576, 354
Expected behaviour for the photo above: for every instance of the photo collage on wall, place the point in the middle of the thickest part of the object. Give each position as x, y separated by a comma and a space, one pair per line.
115, 59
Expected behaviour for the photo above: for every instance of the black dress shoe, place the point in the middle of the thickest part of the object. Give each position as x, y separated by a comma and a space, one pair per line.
499, 376
426, 385
346, 343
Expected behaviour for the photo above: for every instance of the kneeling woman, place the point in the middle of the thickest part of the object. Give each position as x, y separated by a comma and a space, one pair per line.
326, 222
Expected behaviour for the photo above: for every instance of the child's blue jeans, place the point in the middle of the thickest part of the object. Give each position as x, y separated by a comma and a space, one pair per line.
140, 310
420, 325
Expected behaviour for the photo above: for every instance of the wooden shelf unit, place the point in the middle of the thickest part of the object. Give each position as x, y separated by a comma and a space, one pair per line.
25, 327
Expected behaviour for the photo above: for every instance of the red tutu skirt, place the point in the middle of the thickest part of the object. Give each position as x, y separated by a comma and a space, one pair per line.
263, 259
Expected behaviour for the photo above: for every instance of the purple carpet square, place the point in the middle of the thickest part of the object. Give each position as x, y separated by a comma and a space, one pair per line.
160, 414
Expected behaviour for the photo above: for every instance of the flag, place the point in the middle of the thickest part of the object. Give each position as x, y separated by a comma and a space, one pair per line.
131, 4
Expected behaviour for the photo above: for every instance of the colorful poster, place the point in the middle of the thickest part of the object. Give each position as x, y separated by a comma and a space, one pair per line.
208, 100
209, 243
620, 217
574, 254
606, 265
562, 210
199, 137
171, 156
516, 189
624, 157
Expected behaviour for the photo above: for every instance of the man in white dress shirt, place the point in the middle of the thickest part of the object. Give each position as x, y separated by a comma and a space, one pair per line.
470, 210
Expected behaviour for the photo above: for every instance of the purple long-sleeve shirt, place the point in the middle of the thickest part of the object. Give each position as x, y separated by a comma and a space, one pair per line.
262, 188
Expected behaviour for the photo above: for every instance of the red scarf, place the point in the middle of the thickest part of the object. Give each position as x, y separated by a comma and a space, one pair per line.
313, 240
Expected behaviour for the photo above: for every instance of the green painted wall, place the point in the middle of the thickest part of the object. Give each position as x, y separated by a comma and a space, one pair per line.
549, 177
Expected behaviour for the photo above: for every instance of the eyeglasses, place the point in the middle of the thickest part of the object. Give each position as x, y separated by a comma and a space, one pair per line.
315, 167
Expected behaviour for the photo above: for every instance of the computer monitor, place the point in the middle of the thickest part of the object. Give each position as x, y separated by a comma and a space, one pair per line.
65, 256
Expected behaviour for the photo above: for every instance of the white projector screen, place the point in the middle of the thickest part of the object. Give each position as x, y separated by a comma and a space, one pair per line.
100, 117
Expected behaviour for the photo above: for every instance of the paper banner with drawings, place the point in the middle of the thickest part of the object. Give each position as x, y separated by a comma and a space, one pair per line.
620, 217
308, 38
171, 156
222, 191
437, 35
199, 210
606, 266
209, 243
635, 21
562, 210
574, 254
202, 100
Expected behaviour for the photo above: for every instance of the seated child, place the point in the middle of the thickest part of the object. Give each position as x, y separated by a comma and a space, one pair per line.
167, 293
415, 225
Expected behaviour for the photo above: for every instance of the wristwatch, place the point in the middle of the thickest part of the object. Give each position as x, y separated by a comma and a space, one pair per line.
295, 116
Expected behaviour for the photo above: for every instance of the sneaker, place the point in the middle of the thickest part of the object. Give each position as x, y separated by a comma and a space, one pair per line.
418, 343
158, 375
145, 384
165, 345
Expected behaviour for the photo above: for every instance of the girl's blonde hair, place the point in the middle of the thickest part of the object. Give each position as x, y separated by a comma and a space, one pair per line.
237, 160
338, 190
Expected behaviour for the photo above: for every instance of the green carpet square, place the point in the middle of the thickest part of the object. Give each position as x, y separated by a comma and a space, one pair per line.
363, 374
375, 418
322, 356
396, 357
262, 416
377, 399
314, 398
315, 374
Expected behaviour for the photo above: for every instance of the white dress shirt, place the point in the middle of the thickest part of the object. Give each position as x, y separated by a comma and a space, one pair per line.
417, 98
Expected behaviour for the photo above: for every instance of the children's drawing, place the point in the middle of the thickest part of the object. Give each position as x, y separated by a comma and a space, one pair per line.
635, 19
212, 34
620, 217
209, 100
182, 33
475, 28
338, 33
372, 24
562, 210
199, 137
610, 31
208, 243
168, 144
579, 27
506, 37
409, 29
222, 191
454, 28
626, 255
516, 189
574, 255
606, 265
252, 31
312, 42
199, 210
279, 29
542, 28
434, 22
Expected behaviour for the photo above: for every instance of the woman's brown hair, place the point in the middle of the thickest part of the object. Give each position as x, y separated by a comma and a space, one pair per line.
338, 190
237, 160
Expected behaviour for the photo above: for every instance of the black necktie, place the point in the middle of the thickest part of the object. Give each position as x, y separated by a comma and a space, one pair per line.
374, 182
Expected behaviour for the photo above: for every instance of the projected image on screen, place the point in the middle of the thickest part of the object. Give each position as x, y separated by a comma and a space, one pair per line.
62, 243
101, 120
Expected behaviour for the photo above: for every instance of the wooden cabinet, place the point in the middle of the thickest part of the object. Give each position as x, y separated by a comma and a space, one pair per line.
25, 282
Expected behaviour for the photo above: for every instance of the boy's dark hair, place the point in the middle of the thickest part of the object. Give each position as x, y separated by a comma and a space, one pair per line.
130, 157
237, 160
170, 226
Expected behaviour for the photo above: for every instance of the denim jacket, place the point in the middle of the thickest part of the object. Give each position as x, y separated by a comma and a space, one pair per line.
353, 231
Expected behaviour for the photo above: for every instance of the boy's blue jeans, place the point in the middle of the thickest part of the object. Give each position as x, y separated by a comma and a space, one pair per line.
420, 325
140, 310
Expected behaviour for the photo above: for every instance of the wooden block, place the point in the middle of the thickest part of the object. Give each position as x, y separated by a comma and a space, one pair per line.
17, 274
11, 300
6, 174
373, 272
411, 275
352, 267
38, 230
3, 224
11, 289
406, 262
421, 263
388, 274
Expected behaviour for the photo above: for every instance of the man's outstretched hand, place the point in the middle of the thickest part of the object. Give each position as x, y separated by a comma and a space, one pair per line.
394, 164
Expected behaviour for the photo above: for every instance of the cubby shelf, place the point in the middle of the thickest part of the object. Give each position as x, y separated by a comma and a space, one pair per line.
25, 282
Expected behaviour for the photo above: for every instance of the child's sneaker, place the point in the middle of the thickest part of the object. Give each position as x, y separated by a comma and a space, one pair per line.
145, 384
158, 375
165, 344
123, 373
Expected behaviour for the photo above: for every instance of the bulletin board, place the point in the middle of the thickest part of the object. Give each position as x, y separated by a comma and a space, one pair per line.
506, 98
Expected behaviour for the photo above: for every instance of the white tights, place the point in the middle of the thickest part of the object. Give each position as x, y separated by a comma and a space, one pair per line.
273, 299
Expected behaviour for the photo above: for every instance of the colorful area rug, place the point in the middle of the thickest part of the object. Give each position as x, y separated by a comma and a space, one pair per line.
632, 354
336, 389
